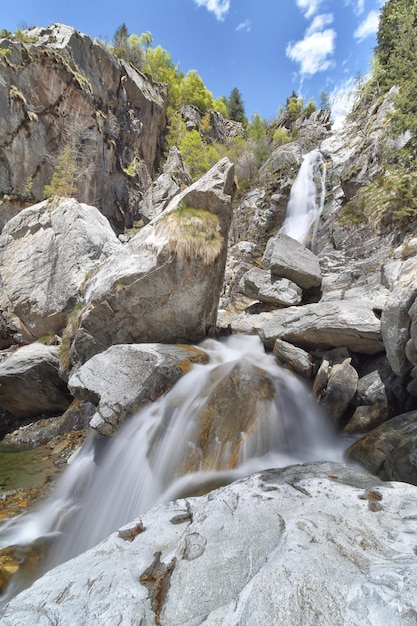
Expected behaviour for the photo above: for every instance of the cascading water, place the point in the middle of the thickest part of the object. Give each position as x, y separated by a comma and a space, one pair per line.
148, 461
305, 203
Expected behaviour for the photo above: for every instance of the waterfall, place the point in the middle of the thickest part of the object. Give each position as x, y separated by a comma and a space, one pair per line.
147, 462
305, 203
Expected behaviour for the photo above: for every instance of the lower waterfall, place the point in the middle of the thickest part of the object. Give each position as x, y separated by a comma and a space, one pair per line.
174, 448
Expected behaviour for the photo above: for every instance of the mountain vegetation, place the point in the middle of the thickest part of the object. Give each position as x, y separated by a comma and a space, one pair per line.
257, 138
392, 198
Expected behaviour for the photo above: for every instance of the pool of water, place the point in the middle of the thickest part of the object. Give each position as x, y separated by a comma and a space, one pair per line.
24, 469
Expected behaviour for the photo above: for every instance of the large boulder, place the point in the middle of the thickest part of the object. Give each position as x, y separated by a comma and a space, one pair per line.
126, 377
46, 253
264, 286
315, 544
164, 286
30, 385
289, 258
323, 325
111, 116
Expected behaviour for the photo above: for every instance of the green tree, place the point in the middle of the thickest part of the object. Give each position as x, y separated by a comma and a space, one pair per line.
64, 178
294, 106
134, 51
235, 107
194, 92
120, 41
309, 108
176, 131
195, 154
396, 55
324, 100
145, 41
258, 142
280, 137
160, 66
220, 105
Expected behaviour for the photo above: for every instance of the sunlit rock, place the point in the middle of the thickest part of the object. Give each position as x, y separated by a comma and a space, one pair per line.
288, 258
264, 286
323, 325
124, 378
46, 253
294, 544
174, 178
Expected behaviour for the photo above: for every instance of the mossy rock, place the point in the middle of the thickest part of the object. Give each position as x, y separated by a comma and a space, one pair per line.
192, 234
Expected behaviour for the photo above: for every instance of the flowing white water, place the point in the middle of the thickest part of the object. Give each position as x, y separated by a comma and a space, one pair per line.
144, 464
306, 201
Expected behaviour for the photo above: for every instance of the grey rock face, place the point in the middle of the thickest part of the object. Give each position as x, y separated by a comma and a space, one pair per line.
324, 325
46, 252
173, 179
124, 378
290, 259
30, 384
395, 320
88, 99
262, 285
324, 542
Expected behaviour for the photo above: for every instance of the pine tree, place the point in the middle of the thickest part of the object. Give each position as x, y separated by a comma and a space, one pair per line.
120, 41
235, 107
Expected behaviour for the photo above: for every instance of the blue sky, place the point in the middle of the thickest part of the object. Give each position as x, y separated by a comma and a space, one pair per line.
265, 48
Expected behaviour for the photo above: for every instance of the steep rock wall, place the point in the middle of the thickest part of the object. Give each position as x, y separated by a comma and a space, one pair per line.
67, 89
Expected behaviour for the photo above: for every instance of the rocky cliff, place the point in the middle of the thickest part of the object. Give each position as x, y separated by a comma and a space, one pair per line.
63, 88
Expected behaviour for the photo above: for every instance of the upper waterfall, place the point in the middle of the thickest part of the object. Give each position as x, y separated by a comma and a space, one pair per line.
306, 198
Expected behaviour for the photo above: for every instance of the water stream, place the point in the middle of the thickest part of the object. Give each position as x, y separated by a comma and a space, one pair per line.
237, 414
306, 199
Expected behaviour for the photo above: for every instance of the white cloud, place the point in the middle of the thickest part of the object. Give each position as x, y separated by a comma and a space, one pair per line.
368, 27
319, 23
358, 6
245, 26
310, 7
219, 7
313, 53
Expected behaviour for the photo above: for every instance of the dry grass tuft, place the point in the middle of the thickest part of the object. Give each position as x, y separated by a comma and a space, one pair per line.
192, 234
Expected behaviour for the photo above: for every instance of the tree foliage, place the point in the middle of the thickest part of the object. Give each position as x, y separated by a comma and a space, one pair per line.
235, 107
194, 92
396, 59
64, 178
195, 154
390, 201
294, 106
